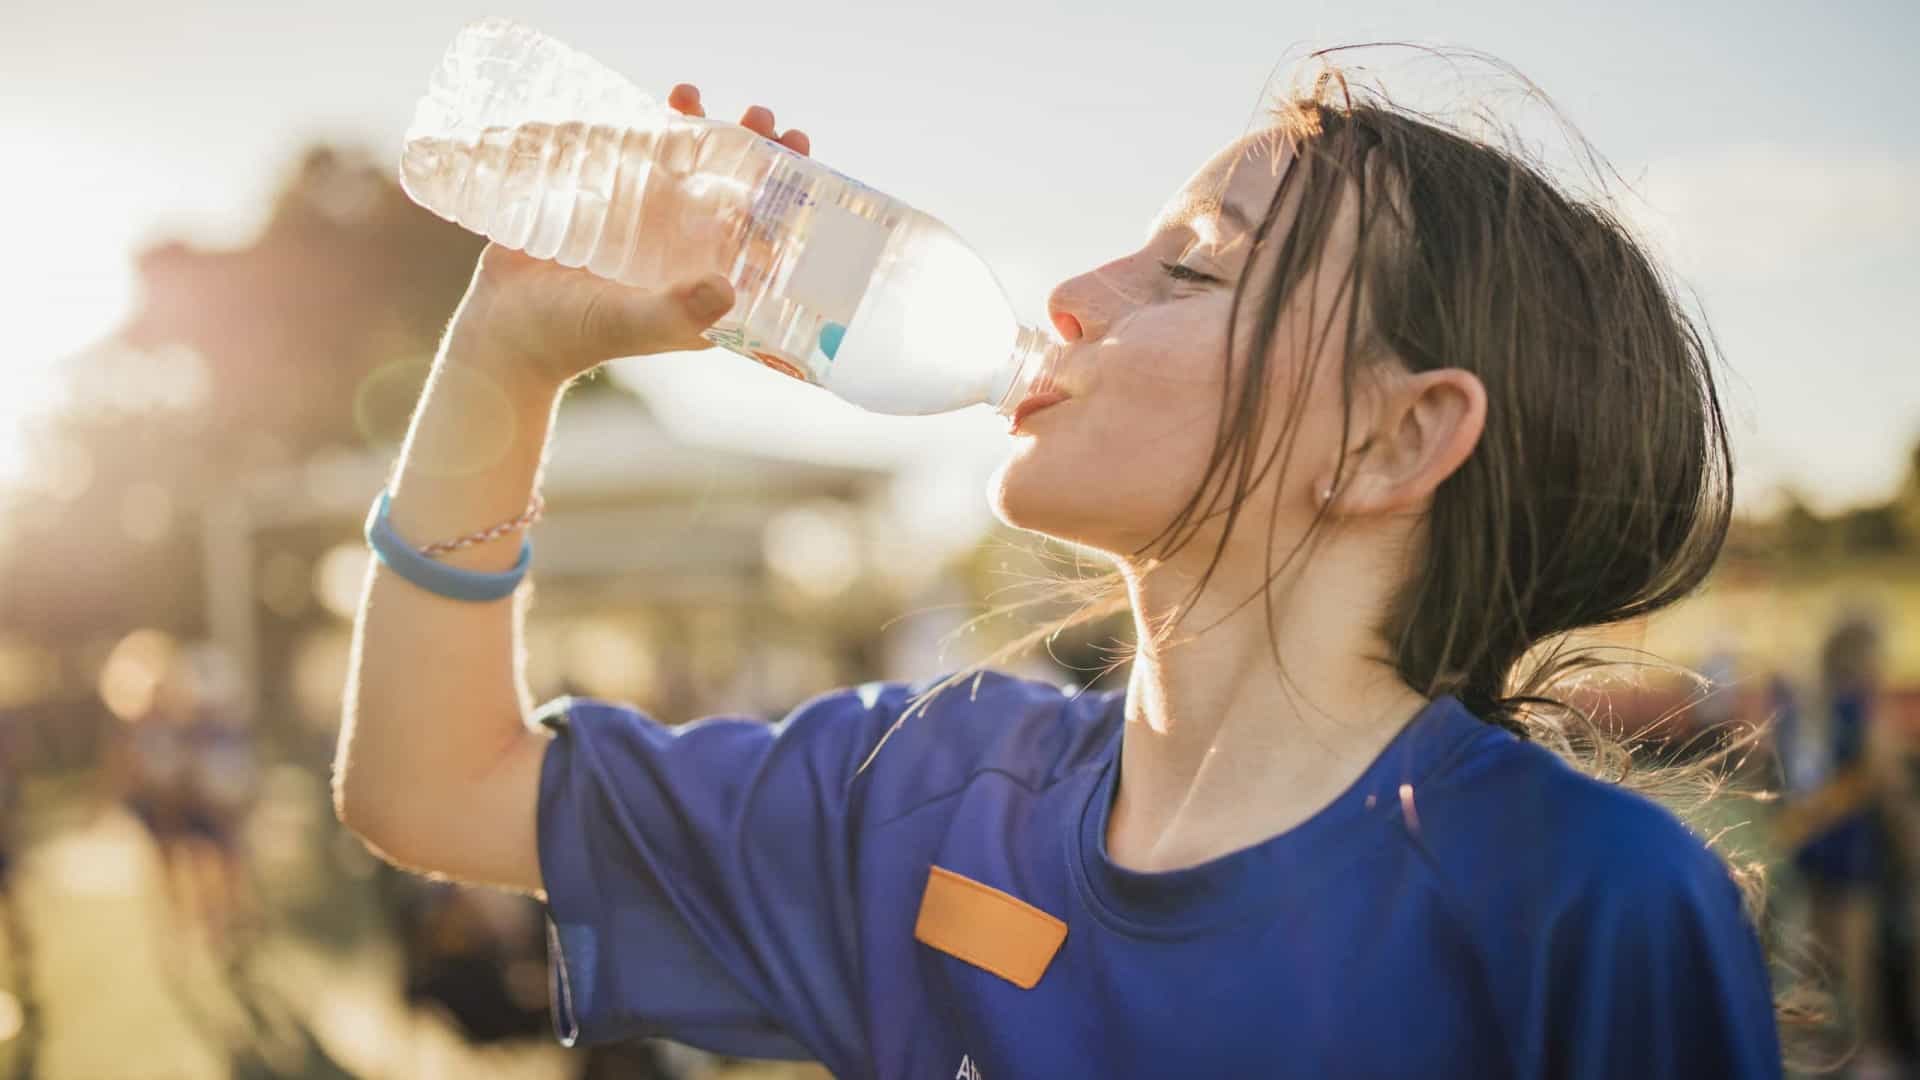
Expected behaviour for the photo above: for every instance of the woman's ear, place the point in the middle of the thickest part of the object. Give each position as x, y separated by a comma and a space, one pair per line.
1426, 425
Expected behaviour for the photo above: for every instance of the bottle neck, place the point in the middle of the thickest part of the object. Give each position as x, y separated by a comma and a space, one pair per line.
1028, 370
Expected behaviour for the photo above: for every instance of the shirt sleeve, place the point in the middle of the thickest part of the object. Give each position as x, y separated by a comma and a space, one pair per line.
701, 880
1656, 975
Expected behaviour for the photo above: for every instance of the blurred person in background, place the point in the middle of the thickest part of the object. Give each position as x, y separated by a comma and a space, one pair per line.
1849, 824
13, 747
222, 784
17, 992
1795, 748
477, 957
1856, 683
191, 774
152, 750
1344, 812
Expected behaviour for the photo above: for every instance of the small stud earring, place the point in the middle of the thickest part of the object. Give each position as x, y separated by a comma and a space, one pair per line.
1326, 495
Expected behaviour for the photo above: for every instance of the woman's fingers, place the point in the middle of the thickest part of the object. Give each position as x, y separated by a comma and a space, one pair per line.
758, 119
686, 98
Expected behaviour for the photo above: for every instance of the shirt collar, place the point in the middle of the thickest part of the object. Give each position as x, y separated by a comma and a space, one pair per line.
1252, 881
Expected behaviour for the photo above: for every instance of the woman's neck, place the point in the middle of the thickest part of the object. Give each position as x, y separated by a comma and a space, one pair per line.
1222, 749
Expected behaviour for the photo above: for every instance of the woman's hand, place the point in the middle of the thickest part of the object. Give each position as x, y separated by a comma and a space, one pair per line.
560, 322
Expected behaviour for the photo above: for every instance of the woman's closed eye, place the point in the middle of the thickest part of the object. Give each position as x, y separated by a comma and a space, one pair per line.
1186, 273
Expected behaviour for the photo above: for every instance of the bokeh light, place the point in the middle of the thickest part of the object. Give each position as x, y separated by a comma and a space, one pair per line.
610, 658
131, 679
814, 548
28, 672
339, 576
319, 677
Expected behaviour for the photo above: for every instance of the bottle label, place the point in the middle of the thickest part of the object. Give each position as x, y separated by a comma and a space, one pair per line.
732, 337
779, 199
842, 249
797, 156
834, 253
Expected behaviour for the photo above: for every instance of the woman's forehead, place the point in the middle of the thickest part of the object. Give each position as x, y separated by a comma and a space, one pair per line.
1231, 190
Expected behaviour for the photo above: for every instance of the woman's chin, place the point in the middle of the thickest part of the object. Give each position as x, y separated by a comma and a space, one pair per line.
1023, 496
1018, 496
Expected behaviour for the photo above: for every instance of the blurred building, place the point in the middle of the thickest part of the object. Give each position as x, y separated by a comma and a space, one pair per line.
681, 578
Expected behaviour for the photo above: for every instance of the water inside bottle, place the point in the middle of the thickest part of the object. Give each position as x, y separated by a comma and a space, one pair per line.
835, 283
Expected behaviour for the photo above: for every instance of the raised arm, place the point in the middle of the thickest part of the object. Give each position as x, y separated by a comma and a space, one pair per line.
436, 767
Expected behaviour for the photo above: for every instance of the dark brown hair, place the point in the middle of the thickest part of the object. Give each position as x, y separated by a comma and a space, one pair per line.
1601, 489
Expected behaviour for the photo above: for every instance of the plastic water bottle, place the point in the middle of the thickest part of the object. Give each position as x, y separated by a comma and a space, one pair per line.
543, 149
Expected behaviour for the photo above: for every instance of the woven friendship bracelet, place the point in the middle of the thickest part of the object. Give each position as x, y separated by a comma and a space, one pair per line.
494, 532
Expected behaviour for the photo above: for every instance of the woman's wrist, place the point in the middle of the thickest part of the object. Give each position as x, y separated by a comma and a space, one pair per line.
473, 453
477, 343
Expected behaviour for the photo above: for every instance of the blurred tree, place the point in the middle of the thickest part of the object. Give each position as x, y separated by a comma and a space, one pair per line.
320, 332
1802, 534
1907, 501
1870, 530
1889, 527
1750, 540
1796, 534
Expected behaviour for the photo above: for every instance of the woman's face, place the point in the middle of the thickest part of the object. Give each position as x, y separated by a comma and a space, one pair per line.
1146, 335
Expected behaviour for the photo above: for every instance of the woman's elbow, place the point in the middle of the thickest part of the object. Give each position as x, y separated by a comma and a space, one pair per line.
478, 831
371, 810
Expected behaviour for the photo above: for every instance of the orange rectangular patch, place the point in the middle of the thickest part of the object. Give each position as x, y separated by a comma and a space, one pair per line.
987, 928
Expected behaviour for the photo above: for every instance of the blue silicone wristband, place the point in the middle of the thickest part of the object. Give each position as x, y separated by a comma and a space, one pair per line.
435, 576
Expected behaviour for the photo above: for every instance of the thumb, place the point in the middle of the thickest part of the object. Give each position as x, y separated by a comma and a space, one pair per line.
671, 319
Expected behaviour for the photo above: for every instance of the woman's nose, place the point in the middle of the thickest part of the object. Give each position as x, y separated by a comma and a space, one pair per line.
1068, 308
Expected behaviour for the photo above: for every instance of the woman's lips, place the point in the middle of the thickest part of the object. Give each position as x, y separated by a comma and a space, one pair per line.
1033, 405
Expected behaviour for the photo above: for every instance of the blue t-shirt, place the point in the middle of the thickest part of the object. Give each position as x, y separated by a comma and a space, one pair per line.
1470, 906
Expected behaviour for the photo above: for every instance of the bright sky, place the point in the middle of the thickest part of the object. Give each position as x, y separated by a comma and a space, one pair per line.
1776, 148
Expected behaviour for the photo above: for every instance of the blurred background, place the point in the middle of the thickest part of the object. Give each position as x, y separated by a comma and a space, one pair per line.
220, 309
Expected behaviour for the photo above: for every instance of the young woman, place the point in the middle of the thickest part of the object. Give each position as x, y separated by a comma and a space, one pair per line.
1384, 379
